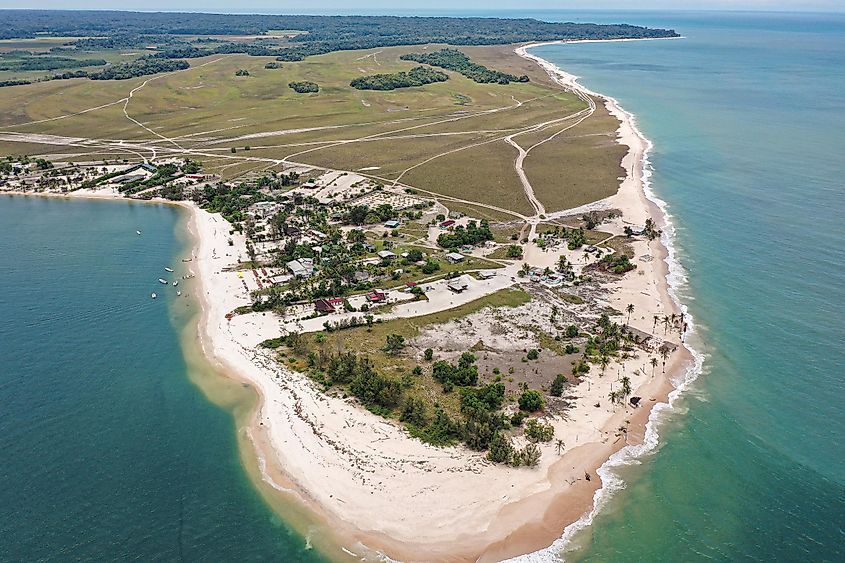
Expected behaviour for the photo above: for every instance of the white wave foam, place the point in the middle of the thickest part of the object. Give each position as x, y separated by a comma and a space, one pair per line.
676, 279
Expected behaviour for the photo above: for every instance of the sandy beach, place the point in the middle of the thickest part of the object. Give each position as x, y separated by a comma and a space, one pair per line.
380, 491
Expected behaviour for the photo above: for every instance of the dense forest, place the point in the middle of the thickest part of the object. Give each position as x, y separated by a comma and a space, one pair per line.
323, 32
417, 76
452, 59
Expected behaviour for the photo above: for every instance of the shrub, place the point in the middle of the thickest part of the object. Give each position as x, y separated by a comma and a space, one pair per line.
531, 400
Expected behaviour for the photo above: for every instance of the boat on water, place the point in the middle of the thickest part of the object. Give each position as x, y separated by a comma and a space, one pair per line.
168, 269
175, 283
153, 295
162, 281
138, 233
178, 294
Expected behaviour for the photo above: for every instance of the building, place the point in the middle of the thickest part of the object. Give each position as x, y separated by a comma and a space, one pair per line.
369, 247
280, 279
392, 224
377, 296
446, 224
328, 305
455, 215
361, 276
454, 257
302, 268
486, 274
264, 209
458, 284
386, 255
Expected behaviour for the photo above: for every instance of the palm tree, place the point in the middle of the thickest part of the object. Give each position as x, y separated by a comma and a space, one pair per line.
653, 365
630, 309
664, 352
560, 445
665, 324
654, 325
604, 362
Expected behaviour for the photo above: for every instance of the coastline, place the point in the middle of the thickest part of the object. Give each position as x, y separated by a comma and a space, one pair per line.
547, 508
638, 171
544, 511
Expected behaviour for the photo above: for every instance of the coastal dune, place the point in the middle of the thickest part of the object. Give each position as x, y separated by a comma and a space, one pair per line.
377, 490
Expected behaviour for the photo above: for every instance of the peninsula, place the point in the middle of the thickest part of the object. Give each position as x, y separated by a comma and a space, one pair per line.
429, 251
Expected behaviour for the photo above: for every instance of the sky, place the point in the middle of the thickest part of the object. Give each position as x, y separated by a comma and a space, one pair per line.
393, 6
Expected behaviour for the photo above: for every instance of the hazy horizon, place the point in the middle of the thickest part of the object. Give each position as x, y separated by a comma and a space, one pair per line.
369, 7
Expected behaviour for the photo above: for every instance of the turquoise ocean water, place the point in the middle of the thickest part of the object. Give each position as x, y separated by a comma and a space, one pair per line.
747, 115
111, 452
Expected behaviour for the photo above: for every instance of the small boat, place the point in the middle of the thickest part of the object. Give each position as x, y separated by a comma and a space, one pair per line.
186, 259
175, 283
178, 294
138, 233
168, 269
162, 281
153, 295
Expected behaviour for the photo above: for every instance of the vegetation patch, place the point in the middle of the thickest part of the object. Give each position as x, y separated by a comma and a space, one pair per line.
417, 76
304, 87
452, 59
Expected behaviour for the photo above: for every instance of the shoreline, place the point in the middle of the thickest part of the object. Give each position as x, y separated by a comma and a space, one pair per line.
673, 278
546, 509
541, 516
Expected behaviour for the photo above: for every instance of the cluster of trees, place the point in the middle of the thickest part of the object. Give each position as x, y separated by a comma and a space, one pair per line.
29, 62
462, 374
472, 234
452, 59
139, 67
228, 201
616, 263
241, 72
272, 66
366, 215
304, 87
417, 76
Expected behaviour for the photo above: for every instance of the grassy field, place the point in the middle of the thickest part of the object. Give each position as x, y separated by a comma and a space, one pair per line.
446, 138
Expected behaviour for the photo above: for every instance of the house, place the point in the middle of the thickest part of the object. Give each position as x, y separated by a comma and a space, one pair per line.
328, 305
361, 276
392, 224
309, 185
302, 268
486, 274
458, 284
265, 208
280, 279
291, 231
456, 215
454, 257
377, 296
318, 234
446, 224
369, 247
386, 255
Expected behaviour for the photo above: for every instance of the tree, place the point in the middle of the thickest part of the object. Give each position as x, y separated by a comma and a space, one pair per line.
414, 412
531, 455
536, 431
533, 354
514, 251
395, 344
653, 365
531, 400
630, 310
556, 389
501, 449
428, 354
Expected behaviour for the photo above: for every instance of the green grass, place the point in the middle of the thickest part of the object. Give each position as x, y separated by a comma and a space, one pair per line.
216, 107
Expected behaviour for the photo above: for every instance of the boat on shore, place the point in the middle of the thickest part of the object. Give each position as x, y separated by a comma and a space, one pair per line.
168, 269
162, 281
175, 283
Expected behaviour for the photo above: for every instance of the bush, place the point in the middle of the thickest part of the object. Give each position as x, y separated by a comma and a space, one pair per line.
428, 354
304, 87
531, 400
514, 251
501, 449
572, 331
556, 389
536, 431
533, 354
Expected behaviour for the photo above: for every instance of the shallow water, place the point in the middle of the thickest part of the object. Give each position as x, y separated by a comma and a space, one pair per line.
109, 450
